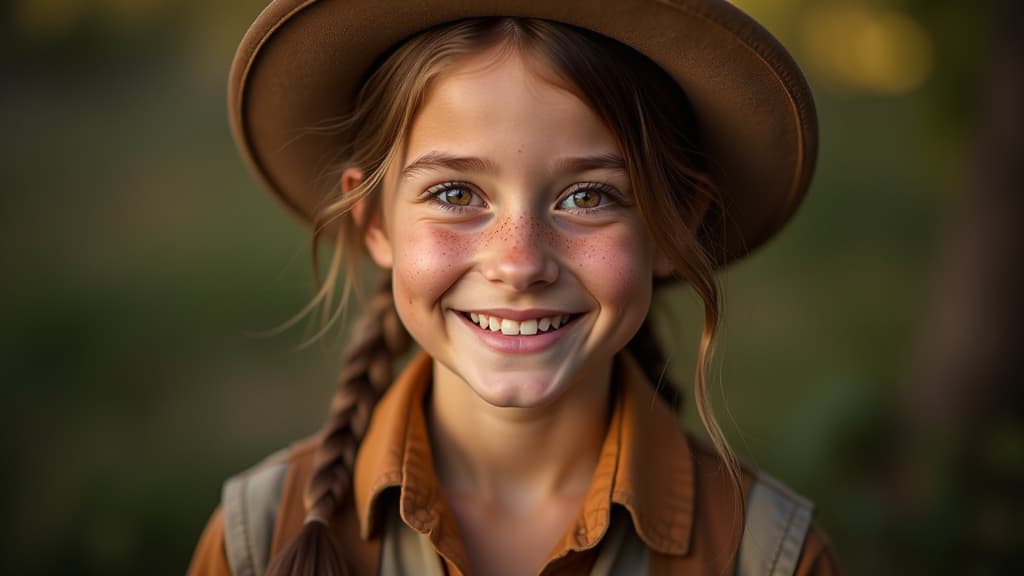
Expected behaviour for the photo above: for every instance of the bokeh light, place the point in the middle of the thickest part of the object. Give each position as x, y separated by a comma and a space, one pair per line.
859, 47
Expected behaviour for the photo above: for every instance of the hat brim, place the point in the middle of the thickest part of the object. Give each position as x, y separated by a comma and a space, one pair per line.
301, 63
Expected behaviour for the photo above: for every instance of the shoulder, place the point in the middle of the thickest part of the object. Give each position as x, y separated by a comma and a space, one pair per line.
210, 557
819, 556
250, 502
715, 495
777, 522
268, 497
255, 503
271, 472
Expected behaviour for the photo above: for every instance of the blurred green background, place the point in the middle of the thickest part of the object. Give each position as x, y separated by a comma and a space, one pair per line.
139, 257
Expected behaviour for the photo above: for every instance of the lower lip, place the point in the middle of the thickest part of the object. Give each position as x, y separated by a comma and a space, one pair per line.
518, 344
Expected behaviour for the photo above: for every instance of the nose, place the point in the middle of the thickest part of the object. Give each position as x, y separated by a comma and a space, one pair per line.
517, 253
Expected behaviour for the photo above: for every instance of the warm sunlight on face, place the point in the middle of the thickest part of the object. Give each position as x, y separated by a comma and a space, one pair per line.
520, 263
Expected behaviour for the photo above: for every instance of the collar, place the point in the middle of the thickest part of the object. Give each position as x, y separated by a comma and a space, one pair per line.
646, 466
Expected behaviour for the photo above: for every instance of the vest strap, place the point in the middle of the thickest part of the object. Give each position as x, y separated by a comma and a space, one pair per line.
250, 502
778, 520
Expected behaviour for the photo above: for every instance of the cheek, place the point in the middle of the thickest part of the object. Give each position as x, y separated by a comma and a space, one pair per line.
616, 266
429, 259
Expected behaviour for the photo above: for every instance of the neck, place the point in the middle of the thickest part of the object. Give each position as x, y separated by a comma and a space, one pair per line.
517, 456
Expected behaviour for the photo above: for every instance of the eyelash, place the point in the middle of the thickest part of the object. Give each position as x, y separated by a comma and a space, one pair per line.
433, 194
611, 196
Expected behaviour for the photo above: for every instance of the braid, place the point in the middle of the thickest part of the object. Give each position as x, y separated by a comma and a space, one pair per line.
378, 339
645, 348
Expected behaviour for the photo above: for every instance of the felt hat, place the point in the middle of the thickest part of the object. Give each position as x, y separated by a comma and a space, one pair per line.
302, 61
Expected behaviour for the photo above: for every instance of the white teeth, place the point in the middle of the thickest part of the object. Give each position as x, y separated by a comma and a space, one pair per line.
509, 327
528, 327
515, 327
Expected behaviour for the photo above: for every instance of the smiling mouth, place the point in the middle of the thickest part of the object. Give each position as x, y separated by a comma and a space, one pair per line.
531, 327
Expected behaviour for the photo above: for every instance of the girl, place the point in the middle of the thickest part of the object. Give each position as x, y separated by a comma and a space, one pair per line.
522, 174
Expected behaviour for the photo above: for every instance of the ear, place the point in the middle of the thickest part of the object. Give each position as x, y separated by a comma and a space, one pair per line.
375, 237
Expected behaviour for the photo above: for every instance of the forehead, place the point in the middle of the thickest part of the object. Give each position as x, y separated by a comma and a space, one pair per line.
499, 101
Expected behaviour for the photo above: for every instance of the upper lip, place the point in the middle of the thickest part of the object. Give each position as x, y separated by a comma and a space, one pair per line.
520, 315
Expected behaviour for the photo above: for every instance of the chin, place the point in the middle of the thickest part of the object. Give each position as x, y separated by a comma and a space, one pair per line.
519, 390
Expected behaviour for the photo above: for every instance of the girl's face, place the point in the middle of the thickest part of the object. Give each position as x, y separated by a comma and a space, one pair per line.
520, 263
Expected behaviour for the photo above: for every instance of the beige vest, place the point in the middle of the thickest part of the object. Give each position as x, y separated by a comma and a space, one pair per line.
777, 522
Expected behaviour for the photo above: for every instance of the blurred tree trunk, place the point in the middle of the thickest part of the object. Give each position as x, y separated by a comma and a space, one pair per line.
958, 458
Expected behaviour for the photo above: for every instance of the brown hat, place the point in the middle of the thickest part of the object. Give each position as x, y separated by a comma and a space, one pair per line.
301, 63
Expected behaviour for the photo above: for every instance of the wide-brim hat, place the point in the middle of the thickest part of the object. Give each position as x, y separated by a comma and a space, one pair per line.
302, 62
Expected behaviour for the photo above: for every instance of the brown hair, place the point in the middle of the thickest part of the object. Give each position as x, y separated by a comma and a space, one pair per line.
640, 104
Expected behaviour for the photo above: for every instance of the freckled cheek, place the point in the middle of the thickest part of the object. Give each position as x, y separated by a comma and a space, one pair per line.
615, 268
430, 259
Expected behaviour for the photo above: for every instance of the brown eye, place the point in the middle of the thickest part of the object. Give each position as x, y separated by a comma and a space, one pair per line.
458, 196
583, 199
586, 199
455, 196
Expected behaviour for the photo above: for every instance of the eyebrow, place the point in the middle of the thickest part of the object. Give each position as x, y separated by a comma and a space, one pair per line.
587, 163
439, 160
436, 160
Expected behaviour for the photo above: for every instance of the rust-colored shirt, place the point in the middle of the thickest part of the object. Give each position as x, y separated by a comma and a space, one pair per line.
673, 487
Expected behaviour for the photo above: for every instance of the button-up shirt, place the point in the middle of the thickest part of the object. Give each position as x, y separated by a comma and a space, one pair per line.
666, 487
